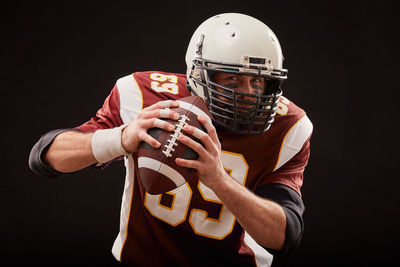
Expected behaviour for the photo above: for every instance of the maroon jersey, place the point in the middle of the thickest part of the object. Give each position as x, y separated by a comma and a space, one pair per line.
190, 225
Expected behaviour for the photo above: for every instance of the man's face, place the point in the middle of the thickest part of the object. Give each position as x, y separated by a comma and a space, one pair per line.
241, 83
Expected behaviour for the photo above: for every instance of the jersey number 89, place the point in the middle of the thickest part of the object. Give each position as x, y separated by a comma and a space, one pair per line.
164, 83
201, 224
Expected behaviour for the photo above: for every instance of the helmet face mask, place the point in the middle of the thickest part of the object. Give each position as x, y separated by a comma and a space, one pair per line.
239, 111
214, 48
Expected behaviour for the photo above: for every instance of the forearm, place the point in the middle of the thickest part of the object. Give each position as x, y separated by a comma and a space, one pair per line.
263, 219
70, 151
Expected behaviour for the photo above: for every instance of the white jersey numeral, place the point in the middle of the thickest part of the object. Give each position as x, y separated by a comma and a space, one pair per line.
164, 83
202, 225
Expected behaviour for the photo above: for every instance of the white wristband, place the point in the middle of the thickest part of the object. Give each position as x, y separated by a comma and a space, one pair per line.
106, 144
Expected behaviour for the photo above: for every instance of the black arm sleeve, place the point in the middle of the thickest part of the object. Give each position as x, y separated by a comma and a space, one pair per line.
36, 161
293, 206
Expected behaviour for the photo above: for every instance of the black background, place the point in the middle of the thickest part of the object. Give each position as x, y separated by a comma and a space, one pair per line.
59, 59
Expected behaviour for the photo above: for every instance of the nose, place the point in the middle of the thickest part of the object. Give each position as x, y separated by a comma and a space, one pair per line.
246, 87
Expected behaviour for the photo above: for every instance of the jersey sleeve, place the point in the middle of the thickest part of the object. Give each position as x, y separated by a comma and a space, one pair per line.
294, 152
157, 86
134, 92
291, 173
108, 116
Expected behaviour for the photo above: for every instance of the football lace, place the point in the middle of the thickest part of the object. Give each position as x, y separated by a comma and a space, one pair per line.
172, 142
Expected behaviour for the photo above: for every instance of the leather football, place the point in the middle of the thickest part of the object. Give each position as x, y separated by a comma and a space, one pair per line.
158, 171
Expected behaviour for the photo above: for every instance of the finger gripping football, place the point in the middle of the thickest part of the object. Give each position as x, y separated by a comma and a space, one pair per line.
158, 171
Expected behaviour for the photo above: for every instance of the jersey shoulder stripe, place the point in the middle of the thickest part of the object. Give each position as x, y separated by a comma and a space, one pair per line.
131, 98
294, 140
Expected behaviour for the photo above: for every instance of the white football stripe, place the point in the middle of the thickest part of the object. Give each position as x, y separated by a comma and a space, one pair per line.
193, 109
155, 165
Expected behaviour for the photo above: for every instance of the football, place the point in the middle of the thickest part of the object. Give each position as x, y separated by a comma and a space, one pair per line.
157, 169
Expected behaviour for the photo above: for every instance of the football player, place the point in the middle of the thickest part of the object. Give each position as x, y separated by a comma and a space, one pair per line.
246, 205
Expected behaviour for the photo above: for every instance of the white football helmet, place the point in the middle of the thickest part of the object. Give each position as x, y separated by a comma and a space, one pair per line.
239, 44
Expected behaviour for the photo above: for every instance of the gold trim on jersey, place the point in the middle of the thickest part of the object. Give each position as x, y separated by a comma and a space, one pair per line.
163, 213
140, 90
130, 158
172, 203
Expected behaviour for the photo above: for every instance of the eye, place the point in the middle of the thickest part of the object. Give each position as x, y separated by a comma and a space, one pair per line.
257, 80
232, 78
